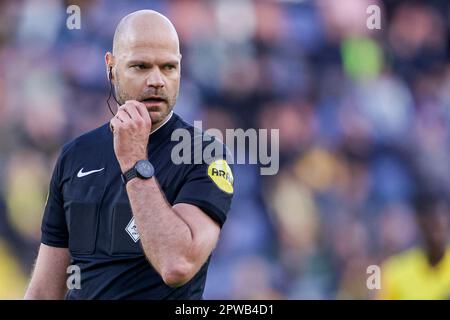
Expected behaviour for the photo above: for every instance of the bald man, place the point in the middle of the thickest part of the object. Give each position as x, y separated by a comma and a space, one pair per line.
122, 220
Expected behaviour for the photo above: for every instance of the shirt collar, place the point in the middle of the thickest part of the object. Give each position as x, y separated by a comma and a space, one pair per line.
169, 116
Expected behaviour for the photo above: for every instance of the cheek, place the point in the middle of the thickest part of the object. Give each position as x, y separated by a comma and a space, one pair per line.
174, 87
129, 86
129, 81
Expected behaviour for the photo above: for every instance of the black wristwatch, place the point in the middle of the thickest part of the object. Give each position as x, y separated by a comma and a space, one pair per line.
142, 169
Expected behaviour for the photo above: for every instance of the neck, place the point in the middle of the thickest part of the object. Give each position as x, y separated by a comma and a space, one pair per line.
435, 255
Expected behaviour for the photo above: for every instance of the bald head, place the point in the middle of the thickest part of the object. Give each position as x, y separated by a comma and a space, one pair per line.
145, 28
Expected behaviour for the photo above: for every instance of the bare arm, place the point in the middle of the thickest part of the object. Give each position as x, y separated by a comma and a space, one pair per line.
48, 281
177, 240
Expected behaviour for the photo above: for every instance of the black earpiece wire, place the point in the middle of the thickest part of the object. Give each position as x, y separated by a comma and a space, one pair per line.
111, 93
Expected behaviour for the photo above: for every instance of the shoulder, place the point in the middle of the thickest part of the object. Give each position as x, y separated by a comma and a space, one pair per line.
446, 260
197, 139
91, 139
407, 259
94, 140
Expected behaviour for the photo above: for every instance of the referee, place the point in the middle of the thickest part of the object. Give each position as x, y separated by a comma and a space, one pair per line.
136, 225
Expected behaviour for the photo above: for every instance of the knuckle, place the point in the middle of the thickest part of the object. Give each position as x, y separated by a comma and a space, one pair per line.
132, 124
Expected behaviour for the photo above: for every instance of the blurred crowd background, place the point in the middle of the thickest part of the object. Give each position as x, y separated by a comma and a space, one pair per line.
355, 108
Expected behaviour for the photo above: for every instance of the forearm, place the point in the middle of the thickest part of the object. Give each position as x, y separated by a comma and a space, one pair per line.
165, 237
43, 291
48, 281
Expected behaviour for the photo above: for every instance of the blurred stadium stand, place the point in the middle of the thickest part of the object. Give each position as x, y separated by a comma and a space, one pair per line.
355, 107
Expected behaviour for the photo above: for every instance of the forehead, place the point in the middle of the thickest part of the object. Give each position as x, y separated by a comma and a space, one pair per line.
140, 40
148, 52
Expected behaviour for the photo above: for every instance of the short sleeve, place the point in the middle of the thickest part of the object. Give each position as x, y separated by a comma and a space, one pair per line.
209, 187
54, 227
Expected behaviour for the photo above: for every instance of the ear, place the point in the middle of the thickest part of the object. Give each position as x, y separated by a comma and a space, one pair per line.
109, 62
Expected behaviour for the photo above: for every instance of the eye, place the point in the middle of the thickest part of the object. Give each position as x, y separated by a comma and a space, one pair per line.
169, 67
138, 66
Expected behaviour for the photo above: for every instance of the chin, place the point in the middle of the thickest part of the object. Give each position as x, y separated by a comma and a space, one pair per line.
156, 116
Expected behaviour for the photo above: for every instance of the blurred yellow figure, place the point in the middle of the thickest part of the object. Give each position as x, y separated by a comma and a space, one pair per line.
410, 276
12, 278
422, 272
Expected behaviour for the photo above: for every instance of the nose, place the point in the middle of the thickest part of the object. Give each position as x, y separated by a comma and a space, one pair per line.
155, 78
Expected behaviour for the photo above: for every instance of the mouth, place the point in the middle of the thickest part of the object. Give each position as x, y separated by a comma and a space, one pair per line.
153, 101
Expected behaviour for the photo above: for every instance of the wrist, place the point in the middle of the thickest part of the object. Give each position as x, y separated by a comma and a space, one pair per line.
129, 164
133, 184
142, 170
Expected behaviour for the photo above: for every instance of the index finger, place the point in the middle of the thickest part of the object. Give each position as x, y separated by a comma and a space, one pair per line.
142, 109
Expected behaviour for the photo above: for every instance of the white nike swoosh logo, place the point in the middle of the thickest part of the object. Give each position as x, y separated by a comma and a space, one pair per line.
81, 174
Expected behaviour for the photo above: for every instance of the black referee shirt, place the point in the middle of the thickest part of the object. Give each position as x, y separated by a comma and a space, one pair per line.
88, 211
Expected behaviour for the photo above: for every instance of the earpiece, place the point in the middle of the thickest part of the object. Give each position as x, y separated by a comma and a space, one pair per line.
111, 93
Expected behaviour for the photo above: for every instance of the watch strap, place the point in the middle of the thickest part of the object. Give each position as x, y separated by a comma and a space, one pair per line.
128, 175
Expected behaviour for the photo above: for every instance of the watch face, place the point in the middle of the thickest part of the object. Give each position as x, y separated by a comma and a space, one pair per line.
145, 169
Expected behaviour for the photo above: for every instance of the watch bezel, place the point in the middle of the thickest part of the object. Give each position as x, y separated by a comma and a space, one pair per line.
139, 169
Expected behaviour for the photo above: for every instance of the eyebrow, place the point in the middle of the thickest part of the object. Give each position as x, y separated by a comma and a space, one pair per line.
135, 62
